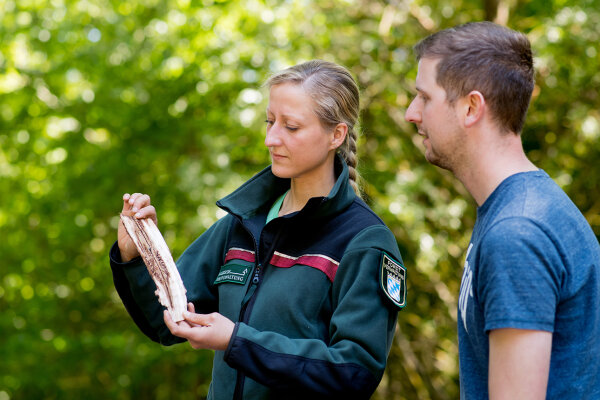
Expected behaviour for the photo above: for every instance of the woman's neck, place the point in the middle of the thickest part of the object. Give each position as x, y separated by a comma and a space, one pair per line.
303, 189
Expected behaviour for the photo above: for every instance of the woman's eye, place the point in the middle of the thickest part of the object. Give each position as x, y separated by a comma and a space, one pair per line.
291, 128
269, 122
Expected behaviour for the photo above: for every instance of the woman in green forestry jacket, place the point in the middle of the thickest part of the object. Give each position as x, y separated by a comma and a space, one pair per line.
298, 287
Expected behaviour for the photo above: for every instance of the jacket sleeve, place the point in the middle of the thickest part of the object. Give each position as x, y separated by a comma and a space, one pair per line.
361, 331
198, 267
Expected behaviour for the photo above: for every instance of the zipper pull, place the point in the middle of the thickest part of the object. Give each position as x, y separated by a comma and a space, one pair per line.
256, 278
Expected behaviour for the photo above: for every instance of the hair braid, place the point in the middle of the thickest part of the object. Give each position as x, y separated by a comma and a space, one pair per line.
348, 152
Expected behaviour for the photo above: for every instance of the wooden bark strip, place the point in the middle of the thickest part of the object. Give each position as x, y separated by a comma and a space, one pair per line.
160, 264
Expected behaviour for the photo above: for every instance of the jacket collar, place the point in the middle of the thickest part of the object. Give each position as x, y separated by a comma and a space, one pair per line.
256, 196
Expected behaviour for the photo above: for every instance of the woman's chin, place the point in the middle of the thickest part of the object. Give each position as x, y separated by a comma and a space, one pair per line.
280, 172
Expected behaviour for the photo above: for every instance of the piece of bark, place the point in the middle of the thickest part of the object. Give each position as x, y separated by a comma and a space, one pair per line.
160, 264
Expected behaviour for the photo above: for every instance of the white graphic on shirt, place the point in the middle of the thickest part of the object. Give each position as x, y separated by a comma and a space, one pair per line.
466, 289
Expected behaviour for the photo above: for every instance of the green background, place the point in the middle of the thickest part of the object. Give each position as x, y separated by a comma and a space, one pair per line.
102, 97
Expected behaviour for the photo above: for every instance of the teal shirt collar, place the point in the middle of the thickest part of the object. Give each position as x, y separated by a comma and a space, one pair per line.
274, 211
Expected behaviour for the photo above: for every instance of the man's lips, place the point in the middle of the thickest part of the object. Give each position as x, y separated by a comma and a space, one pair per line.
423, 134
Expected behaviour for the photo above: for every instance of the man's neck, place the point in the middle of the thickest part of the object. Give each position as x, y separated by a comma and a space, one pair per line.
493, 161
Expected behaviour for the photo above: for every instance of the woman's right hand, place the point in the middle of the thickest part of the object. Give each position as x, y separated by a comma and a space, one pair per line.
138, 206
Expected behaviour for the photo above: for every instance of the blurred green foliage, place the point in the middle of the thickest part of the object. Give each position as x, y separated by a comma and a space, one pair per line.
102, 97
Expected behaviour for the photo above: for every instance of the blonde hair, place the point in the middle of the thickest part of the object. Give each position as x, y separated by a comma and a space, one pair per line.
337, 100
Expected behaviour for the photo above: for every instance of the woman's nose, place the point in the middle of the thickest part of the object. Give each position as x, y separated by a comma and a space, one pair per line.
272, 138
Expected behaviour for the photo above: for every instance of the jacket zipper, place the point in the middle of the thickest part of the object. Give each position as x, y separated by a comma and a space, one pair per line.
246, 309
240, 377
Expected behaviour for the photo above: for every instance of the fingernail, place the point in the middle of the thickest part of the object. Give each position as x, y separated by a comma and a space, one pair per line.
137, 215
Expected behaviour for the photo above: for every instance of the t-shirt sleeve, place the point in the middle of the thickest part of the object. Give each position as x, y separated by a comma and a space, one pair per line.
519, 276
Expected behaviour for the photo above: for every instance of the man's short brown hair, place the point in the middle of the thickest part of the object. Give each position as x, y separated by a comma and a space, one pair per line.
489, 58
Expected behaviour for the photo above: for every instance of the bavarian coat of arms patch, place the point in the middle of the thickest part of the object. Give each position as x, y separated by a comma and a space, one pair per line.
393, 280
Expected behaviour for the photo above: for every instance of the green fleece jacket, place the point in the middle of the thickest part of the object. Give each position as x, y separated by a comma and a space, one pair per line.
314, 294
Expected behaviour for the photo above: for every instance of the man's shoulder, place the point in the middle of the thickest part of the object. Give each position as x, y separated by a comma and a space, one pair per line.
534, 198
515, 231
535, 224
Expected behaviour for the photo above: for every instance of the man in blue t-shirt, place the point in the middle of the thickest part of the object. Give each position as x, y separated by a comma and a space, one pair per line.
529, 304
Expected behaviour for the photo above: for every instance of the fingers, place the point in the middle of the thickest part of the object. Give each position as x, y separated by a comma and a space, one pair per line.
138, 205
169, 322
199, 319
134, 202
126, 206
191, 309
206, 331
181, 329
137, 201
147, 212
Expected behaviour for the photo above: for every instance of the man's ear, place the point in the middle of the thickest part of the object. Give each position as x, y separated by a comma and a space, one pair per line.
339, 135
473, 107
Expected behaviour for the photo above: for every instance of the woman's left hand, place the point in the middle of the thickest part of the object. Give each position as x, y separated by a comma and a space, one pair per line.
203, 331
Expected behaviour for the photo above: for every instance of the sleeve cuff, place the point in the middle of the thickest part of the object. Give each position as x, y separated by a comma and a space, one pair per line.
115, 257
230, 345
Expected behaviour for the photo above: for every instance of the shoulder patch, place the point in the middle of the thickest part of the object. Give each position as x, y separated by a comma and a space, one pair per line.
393, 280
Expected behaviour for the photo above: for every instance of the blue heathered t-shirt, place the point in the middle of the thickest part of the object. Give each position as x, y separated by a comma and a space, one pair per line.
533, 263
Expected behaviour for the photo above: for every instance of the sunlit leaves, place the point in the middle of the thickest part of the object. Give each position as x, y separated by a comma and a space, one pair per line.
101, 97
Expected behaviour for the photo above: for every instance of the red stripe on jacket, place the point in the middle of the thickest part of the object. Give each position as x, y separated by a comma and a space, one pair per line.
240, 254
321, 262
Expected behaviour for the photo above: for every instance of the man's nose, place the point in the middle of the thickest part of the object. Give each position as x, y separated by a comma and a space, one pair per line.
413, 113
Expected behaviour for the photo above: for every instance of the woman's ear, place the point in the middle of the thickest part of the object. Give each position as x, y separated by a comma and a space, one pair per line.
339, 135
474, 108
